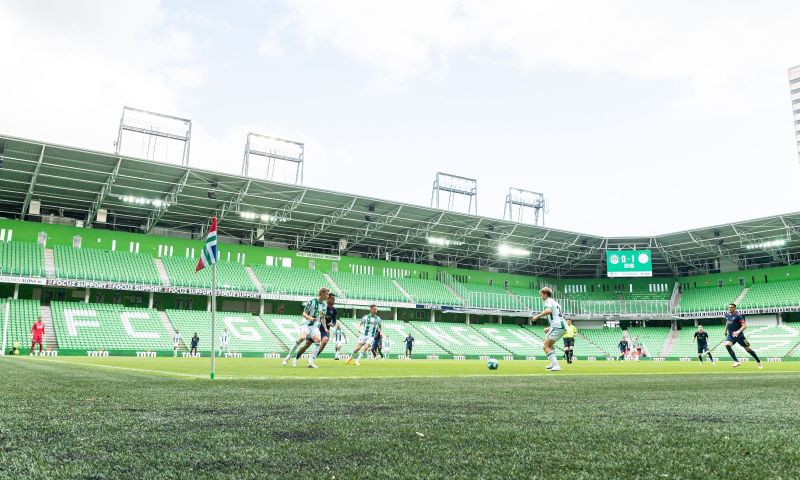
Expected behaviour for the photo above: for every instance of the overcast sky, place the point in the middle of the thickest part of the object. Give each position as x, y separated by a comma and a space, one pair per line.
631, 117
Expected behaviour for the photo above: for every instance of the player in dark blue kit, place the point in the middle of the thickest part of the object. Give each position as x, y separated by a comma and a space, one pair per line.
734, 333
701, 337
331, 317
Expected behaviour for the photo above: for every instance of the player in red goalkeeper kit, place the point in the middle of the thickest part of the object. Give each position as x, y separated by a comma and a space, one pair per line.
37, 330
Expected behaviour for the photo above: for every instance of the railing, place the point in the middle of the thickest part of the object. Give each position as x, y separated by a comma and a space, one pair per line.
617, 307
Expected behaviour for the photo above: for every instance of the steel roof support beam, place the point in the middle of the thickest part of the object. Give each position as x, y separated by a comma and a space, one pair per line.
328, 220
232, 205
282, 214
112, 177
413, 234
572, 260
172, 198
709, 246
29, 195
667, 257
372, 228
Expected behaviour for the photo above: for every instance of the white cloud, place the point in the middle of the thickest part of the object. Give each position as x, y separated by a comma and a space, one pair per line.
69, 68
725, 50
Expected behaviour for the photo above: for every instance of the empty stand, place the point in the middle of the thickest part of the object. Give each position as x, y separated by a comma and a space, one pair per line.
88, 326
247, 332
459, 339
490, 296
513, 338
429, 291
22, 314
230, 275
290, 281
368, 287
709, 299
21, 259
104, 265
652, 339
777, 294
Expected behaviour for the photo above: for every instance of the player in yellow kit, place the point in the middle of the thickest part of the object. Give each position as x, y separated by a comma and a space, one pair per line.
569, 341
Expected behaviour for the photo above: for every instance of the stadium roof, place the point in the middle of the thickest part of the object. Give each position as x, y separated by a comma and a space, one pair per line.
146, 196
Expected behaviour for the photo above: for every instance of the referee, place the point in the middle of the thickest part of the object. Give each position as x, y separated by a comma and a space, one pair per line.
569, 341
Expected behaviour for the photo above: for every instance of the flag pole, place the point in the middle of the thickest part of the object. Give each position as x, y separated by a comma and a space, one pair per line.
213, 312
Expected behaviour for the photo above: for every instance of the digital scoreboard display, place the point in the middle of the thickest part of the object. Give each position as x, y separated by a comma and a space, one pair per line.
629, 263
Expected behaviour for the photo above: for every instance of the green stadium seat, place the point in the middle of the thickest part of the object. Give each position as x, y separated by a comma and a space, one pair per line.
708, 299
770, 295
459, 339
247, 332
652, 339
490, 296
397, 331
104, 265
230, 275
513, 338
93, 326
22, 314
290, 281
21, 259
429, 291
368, 287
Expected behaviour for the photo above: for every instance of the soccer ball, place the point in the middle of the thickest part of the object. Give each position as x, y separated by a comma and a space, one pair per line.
492, 364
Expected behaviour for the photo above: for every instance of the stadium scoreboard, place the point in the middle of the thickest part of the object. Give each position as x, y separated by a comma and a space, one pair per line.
629, 263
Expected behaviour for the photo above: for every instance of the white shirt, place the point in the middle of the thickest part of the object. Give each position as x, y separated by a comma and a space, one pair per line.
556, 313
176, 340
224, 338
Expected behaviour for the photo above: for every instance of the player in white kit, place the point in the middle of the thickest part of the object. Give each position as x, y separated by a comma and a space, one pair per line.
313, 314
387, 344
176, 343
557, 328
339, 338
224, 342
370, 325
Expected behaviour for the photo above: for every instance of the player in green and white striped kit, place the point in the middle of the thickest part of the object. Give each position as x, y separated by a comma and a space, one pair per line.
370, 325
313, 313
339, 338
557, 328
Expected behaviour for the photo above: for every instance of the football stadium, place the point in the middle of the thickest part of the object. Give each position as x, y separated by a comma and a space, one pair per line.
161, 319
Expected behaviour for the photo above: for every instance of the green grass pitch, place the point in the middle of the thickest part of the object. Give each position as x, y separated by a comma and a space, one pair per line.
121, 417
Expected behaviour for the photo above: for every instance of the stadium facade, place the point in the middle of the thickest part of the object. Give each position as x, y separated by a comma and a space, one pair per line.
121, 235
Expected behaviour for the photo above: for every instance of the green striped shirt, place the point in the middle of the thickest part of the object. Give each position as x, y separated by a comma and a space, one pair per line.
370, 324
314, 308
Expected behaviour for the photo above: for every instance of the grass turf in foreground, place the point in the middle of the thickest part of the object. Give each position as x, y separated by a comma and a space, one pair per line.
59, 419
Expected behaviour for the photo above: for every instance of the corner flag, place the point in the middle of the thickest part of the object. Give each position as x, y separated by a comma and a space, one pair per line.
208, 256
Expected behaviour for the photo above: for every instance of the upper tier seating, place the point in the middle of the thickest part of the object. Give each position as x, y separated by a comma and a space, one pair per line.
104, 265
22, 259
429, 291
230, 275
92, 326
708, 299
247, 332
490, 296
368, 287
290, 281
776, 294
529, 298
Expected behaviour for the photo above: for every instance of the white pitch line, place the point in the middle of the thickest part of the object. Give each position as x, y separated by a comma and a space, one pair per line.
471, 375
161, 372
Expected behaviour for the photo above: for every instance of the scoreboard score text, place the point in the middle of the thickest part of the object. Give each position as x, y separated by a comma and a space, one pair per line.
629, 263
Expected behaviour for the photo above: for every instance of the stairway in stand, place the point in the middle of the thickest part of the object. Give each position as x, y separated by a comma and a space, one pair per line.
50, 339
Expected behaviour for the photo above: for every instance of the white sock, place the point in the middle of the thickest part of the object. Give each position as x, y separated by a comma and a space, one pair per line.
553, 359
315, 351
360, 354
